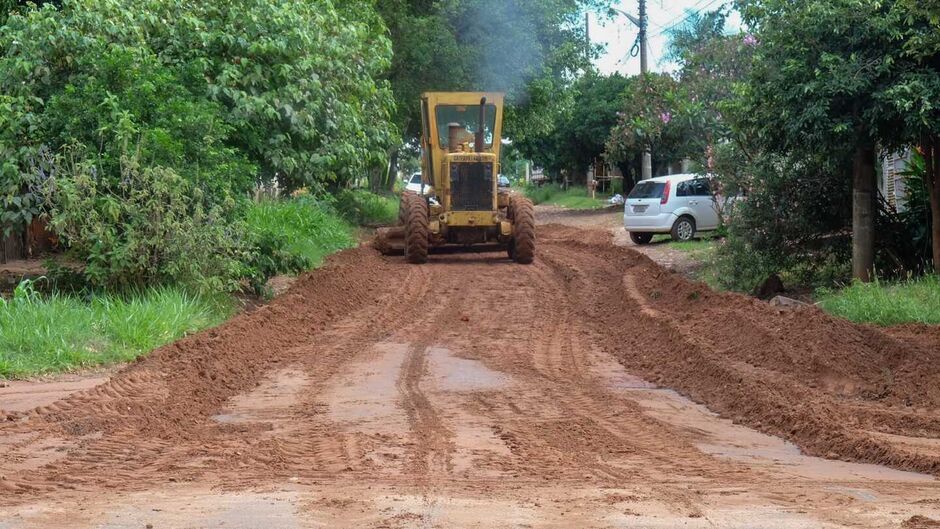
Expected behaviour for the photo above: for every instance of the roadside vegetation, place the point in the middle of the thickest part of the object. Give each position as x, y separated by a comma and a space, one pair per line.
915, 300
575, 197
58, 332
363, 208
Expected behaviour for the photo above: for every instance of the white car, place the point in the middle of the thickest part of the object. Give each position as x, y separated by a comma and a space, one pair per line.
680, 204
414, 184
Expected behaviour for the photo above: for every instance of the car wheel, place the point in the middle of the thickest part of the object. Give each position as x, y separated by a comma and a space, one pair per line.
641, 238
683, 229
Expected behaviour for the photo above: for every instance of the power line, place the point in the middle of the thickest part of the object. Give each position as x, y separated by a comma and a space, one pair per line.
694, 10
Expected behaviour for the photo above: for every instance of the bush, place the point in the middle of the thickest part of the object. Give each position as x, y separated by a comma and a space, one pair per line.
151, 227
193, 113
59, 332
295, 80
289, 236
791, 219
363, 208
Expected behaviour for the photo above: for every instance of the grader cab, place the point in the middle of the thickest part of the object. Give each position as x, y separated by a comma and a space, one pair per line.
463, 205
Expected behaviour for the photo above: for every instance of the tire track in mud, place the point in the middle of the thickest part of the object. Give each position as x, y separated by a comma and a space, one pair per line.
432, 440
311, 445
546, 329
112, 446
679, 353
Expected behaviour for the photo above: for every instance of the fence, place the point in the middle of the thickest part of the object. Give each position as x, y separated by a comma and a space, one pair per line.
35, 241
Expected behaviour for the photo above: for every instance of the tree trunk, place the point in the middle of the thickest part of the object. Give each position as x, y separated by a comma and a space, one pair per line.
393, 169
863, 208
375, 179
932, 179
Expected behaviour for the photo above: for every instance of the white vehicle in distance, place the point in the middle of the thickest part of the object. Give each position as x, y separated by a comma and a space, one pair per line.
679, 204
414, 185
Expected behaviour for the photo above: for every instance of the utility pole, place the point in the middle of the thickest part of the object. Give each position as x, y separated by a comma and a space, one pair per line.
641, 23
587, 37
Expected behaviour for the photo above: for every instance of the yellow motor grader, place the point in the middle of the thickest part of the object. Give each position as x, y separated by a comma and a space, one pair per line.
460, 204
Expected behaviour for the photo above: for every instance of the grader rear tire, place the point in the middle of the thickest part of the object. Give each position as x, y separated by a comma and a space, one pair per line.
416, 229
522, 215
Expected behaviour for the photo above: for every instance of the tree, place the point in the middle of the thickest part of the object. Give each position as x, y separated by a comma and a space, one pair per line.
916, 92
532, 50
712, 63
142, 138
581, 129
654, 116
821, 80
296, 81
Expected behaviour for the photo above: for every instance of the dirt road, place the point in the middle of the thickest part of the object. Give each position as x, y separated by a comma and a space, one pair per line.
473, 392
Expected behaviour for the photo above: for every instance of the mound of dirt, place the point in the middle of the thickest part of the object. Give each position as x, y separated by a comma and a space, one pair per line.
920, 522
836, 389
165, 393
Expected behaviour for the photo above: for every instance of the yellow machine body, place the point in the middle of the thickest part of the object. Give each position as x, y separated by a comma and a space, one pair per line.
464, 181
461, 204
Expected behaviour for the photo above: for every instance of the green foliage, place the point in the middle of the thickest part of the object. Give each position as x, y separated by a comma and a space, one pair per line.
531, 50
223, 95
910, 301
59, 332
290, 236
791, 219
713, 67
827, 80
555, 195
362, 208
652, 107
6, 8
832, 75
581, 130
917, 217
140, 138
150, 227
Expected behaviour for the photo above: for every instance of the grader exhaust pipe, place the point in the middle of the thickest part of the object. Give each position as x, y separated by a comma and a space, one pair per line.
481, 129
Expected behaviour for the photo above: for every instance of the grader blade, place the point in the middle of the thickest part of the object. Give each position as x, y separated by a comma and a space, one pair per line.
390, 241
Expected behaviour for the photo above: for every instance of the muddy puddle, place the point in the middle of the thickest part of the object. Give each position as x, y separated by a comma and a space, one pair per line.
269, 402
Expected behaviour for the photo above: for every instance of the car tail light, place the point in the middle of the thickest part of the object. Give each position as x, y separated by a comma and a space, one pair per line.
666, 193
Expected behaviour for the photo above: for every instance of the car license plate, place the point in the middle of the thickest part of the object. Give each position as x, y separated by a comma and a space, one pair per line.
640, 209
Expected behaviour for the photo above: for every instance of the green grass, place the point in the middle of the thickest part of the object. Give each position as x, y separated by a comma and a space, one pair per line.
310, 229
363, 208
45, 334
572, 198
881, 303
703, 250
699, 247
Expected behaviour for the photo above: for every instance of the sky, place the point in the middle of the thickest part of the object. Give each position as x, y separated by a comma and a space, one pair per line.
618, 33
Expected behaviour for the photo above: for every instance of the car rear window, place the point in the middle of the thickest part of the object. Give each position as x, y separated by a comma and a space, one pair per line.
416, 179
648, 190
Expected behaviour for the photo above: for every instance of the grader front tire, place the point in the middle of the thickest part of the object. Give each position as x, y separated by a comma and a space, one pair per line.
522, 246
416, 230
406, 198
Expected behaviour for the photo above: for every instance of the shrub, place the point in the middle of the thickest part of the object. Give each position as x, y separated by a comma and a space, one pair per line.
151, 227
224, 95
289, 236
363, 208
792, 220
